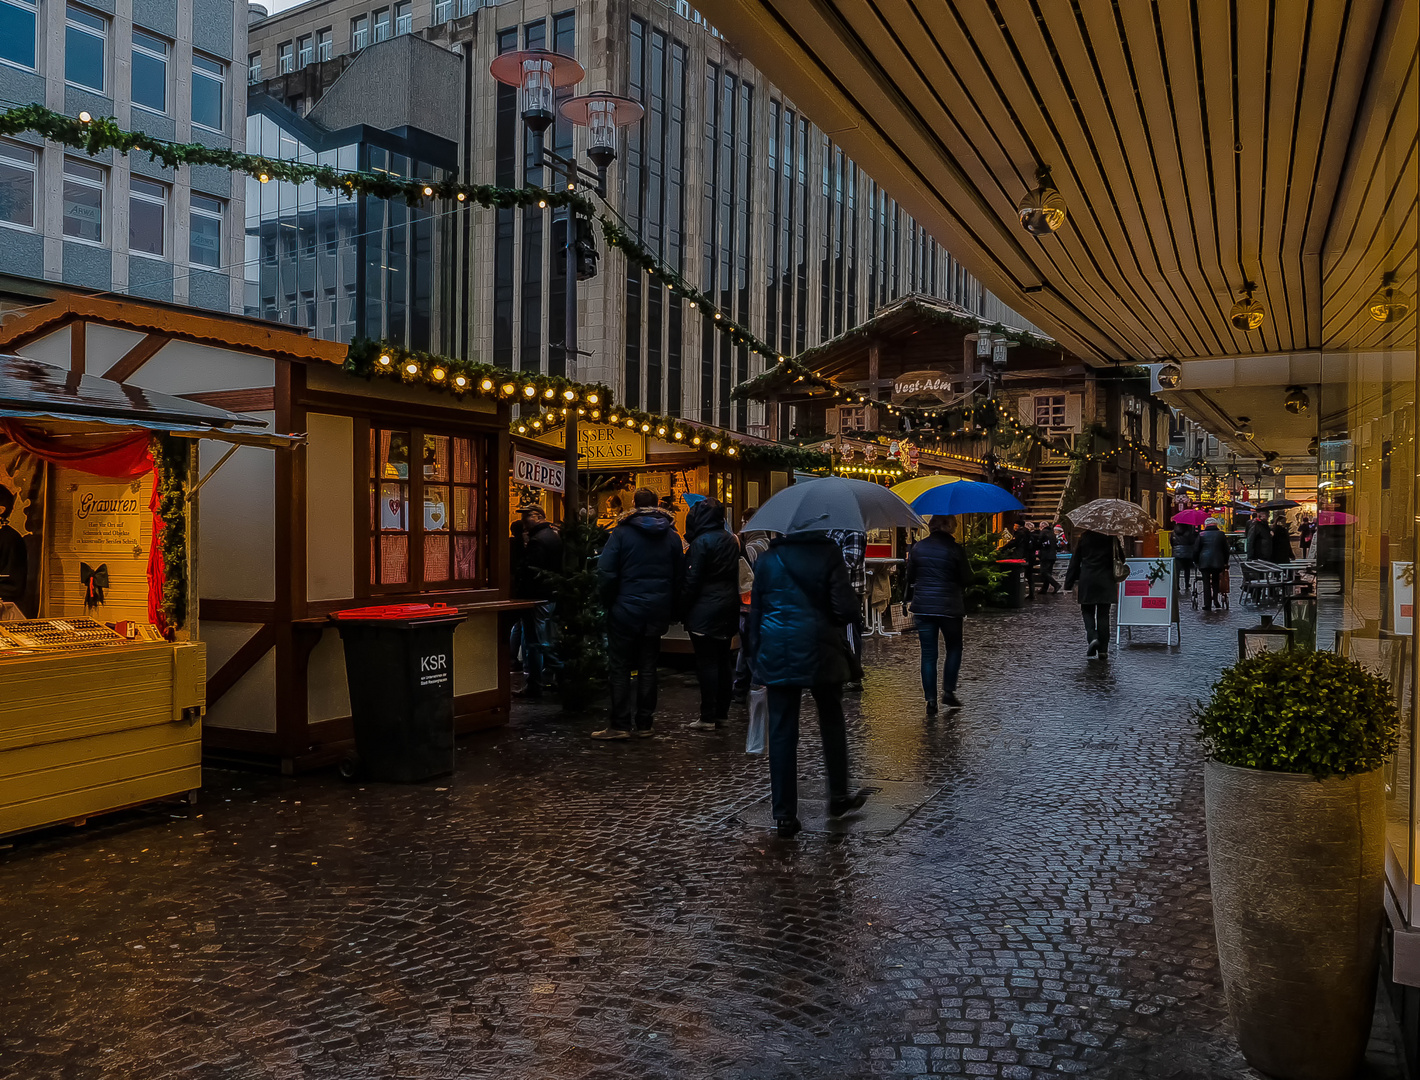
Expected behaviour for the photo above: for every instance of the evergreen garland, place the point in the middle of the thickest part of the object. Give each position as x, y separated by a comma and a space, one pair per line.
170, 456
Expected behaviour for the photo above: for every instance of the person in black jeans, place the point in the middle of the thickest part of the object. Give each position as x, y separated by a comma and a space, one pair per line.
640, 569
937, 576
801, 605
1047, 549
1212, 555
1092, 569
712, 606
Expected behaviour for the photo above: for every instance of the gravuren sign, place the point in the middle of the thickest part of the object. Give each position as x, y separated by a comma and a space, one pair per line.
922, 384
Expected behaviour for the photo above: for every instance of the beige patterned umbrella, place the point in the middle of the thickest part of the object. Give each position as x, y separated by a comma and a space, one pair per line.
1114, 517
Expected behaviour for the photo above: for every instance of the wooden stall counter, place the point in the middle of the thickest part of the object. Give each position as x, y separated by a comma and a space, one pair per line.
91, 721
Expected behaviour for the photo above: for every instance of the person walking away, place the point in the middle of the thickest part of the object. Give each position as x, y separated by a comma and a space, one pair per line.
854, 546
802, 602
753, 544
1185, 551
937, 576
1047, 550
1212, 556
1281, 540
1305, 531
1259, 539
1028, 542
711, 602
1091, 573
640, 571
542, 557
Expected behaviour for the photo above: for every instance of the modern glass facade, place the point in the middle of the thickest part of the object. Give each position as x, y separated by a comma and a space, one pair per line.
345, 268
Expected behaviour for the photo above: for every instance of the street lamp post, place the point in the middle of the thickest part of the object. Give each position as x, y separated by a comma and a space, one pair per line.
538, 73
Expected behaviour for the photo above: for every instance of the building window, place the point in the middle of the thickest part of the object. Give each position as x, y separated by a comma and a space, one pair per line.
204, 246
84, 200
403, 17
442, 10
285, 58
382, 24
19, 174
254, 68
424, 521
359, 32
853, 419
85, 46
304, 50
1050, 412
17, 33
209, 91
147, 217
150, 71
325, 44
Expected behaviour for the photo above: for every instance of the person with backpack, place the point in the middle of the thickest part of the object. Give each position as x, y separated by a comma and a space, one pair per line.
938, 574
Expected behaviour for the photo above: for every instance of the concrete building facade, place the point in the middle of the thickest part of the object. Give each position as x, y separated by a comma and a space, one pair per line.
724, 178
118, 223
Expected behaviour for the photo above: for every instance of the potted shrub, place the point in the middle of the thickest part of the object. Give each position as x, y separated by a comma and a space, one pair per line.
1295, 803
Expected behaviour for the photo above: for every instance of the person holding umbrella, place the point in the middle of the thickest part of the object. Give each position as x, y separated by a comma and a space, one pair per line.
1097, 565
796, 632
1213, 557
937, 576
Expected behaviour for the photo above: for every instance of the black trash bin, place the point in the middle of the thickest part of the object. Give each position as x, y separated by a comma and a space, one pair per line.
399, 664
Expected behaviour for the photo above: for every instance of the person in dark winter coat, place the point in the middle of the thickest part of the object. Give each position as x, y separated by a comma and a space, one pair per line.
641, 570
1024, 540
1259, 539
1185, 551
1047, 549
937, 576
797, 630
541, 556
1281, 541
1092, 571
711, 601
1305, 532
1213, 554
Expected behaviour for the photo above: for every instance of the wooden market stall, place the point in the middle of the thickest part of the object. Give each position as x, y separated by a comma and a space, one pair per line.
102, 678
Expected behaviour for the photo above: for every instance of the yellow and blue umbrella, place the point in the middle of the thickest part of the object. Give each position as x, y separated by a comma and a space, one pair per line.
907, 490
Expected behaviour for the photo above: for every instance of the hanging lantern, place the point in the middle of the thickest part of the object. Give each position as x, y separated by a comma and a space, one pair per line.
1247, 314
1388, 304
1042, 209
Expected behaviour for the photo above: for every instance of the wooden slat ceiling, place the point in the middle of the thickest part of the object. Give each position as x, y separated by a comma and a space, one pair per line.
1198, 144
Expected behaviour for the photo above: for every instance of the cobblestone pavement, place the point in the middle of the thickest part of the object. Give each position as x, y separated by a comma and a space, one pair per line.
567, 909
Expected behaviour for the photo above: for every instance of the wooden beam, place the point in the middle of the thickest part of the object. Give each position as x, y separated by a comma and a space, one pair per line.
240, 662
78, 346
249, 400
127, 365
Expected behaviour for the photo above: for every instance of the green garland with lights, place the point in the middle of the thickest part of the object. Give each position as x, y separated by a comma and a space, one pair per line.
170, 455
385, 359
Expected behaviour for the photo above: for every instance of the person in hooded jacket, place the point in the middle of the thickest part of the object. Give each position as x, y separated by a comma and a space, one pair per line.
1092, 569
1281, 540
1185, 550
711, 602
801, 605
1213, 554
1259, 538
938, 574
640, 570
1047, 550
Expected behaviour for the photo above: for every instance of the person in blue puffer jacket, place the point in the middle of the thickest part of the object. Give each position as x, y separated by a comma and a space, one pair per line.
938, 574
797, 633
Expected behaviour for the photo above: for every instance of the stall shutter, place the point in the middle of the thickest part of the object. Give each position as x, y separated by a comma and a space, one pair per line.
1074, 406
830, 421
1025, 408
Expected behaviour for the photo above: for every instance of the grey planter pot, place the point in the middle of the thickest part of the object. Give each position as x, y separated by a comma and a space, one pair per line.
1297, 869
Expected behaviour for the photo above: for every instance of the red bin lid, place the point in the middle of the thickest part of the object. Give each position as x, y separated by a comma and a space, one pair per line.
402, 612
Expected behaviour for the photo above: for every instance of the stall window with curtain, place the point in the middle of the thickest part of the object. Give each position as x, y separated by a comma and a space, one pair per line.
426, 510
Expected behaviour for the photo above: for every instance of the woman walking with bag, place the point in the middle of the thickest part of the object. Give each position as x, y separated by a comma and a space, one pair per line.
711, 600
1093, 570
937, 576
801, 605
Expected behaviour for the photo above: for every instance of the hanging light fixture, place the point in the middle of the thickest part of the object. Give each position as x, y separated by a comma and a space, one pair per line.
1042, 209
1297, 401
1244, 429
1388, 304
1170, 375
537, 73
1247, 313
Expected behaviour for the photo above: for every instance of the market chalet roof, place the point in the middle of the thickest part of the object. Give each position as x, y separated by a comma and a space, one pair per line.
845, 358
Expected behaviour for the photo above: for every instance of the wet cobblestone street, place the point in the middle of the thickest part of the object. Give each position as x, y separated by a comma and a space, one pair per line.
567, 909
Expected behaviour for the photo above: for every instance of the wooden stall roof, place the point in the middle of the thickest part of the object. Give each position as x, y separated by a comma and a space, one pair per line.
166, 322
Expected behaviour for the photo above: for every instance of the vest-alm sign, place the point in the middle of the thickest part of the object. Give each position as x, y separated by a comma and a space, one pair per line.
936, 385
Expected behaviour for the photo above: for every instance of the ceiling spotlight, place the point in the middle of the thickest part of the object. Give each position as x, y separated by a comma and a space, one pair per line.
1244, 429
1388, 304
1170, 375
1297, 401
1042, 209
1313, 446
1247, 313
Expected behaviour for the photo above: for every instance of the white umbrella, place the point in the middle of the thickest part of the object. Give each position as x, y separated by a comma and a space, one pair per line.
1115, 517
833, 502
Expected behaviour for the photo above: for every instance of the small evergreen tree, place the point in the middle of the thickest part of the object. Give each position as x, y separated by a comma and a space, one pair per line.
581, 622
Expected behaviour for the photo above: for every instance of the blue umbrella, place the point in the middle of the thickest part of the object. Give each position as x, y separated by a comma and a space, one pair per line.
966, 497
691, 498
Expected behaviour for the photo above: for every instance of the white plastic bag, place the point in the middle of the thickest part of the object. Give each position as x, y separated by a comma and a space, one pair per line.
758, 720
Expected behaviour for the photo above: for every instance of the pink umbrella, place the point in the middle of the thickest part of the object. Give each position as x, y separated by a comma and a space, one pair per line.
1335, 517
1191, 517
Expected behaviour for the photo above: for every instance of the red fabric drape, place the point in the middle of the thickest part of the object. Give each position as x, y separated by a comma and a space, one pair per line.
124, 457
